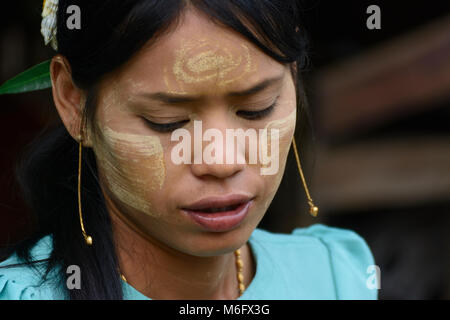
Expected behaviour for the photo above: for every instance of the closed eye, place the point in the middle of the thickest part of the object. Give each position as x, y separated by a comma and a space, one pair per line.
165, 127
256, 115
246, 114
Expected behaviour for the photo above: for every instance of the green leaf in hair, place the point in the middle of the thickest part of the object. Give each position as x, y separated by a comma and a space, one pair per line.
35, 78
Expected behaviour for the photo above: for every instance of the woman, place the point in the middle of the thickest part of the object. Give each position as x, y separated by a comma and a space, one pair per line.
153, 215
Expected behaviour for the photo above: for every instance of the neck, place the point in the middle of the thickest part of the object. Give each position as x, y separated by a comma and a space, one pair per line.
161, 272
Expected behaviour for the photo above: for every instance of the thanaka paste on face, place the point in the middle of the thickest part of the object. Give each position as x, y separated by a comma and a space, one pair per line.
134, 166
286, 128
133, 163
195, 62
202, 60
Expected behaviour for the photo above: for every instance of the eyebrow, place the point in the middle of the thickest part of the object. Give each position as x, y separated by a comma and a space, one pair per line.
168, 98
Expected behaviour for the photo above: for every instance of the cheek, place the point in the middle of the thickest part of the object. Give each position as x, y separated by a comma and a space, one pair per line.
133, 167
286, 128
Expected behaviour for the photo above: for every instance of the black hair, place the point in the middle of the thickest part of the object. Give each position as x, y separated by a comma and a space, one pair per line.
112, 31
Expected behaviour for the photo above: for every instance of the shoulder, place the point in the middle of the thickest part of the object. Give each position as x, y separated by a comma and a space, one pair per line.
329, 262
19, 281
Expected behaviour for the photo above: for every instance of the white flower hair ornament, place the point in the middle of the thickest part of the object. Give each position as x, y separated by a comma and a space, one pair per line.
48, 25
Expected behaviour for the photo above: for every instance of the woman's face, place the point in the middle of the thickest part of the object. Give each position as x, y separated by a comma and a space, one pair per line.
197, 72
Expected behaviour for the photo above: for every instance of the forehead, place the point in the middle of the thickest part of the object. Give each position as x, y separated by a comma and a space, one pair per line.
198, 56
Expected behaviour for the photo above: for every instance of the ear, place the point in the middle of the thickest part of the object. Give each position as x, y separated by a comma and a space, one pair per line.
69, 99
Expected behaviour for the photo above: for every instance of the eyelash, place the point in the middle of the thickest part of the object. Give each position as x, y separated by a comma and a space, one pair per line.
249, 115
257, 115
165, 127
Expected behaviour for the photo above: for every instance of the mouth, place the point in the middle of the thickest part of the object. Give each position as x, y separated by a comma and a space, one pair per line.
219, 214
220, 209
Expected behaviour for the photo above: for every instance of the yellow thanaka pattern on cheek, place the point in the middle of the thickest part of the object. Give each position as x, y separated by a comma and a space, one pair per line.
134, 166
286, 127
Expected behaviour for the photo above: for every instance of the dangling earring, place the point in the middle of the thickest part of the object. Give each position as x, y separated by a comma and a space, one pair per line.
313, 210
87, 238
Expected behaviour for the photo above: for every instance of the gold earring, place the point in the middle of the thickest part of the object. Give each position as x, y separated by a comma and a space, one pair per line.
87, 238
313, 210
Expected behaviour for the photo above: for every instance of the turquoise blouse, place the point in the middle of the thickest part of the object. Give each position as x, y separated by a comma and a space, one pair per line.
318, 262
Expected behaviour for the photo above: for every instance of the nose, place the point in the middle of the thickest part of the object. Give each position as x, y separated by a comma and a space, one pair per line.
214, 155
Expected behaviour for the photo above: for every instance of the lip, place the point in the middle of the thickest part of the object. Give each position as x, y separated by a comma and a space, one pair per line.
219, 221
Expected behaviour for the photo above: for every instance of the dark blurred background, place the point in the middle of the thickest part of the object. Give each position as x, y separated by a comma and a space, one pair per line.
376, 155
